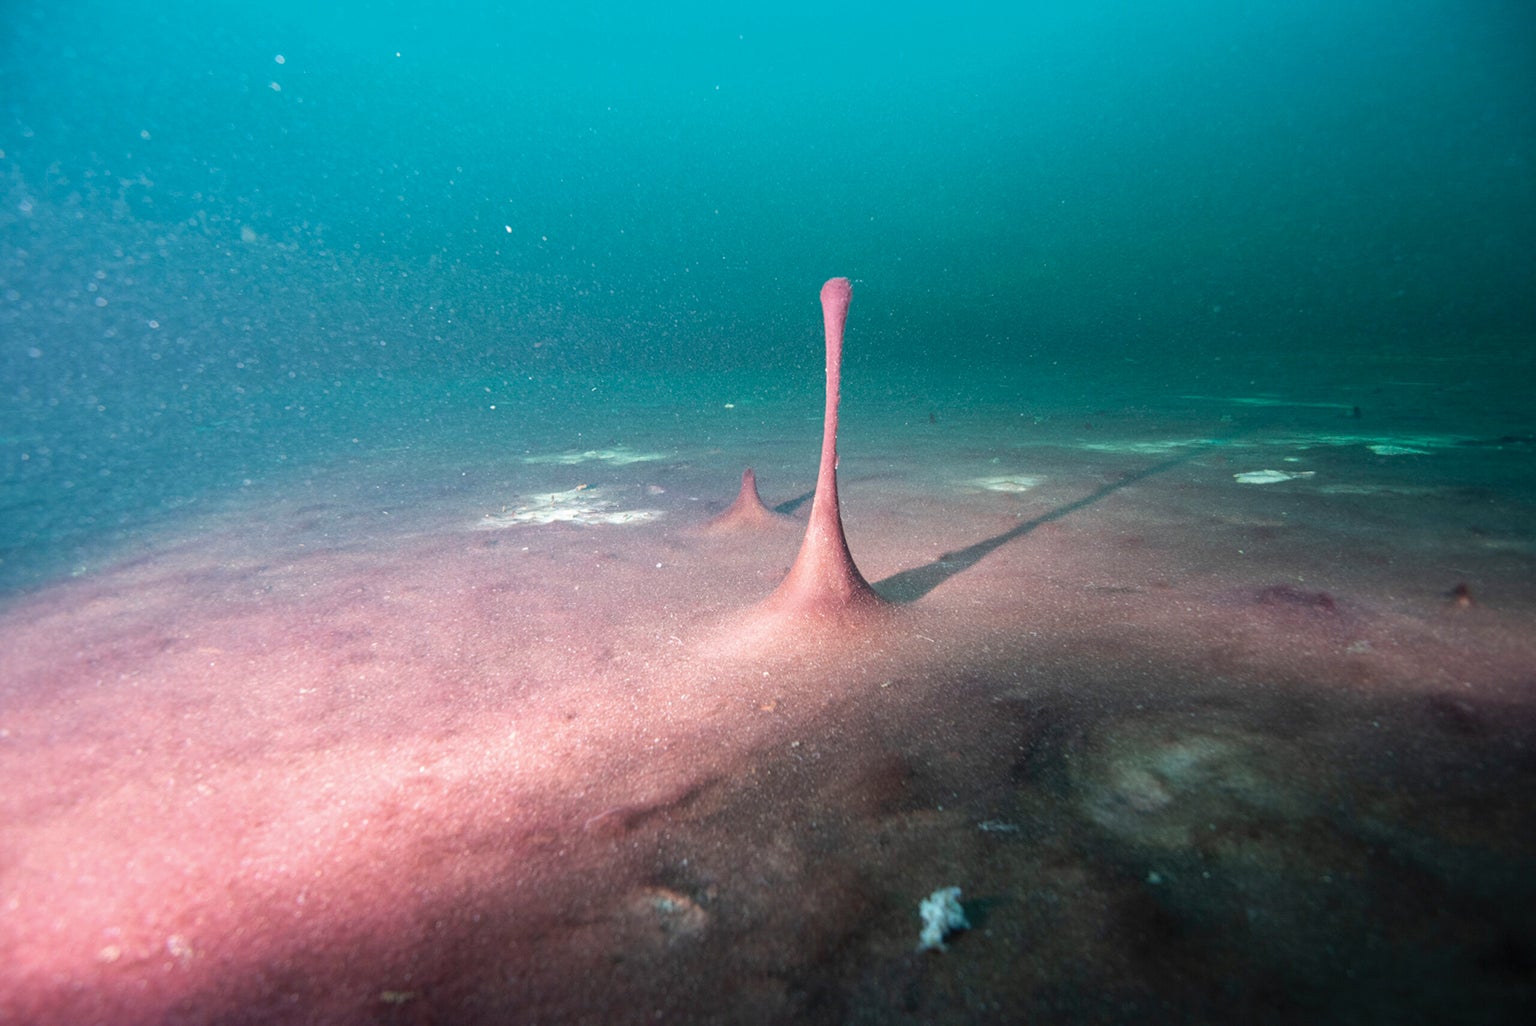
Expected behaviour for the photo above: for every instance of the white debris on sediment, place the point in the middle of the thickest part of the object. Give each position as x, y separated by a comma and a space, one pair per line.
618, 457
579, 505
1269, 476
997, 826
942, 915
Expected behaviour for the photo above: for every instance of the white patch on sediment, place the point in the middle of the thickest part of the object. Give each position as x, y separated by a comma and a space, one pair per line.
1145, 447
1269, 476
1265, 401
618, 457
1006, 483
1381, 489
580, 505
1396, 445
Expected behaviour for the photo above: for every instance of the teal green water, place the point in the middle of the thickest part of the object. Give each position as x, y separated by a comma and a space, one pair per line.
218, 218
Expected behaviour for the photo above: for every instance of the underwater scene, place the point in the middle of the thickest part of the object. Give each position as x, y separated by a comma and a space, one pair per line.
868, 514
